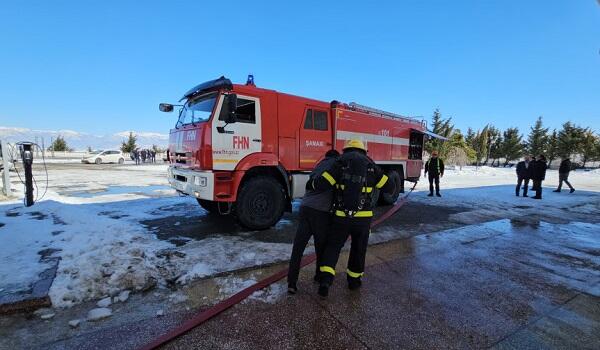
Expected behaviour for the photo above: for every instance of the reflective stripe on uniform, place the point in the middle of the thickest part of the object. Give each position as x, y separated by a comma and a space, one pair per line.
329, 178
354, 274
359, 214
382, 182
327, 269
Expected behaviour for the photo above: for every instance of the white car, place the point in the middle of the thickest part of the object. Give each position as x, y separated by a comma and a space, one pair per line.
99, 157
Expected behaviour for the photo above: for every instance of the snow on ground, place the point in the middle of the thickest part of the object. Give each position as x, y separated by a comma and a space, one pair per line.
91, 216
229, 286
102, 246
493, 189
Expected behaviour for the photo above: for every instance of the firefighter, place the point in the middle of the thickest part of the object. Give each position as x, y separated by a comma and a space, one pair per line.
435, 167
315, 221
354, 177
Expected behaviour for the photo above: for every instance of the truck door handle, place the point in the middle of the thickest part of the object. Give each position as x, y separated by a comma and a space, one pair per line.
256, 140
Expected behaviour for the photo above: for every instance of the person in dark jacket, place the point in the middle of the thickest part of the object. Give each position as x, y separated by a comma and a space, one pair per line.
435, 167
563, 175
355, 177
315, 221
538, 174
523, 175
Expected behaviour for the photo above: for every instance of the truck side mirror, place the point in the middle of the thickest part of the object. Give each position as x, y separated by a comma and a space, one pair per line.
165, 107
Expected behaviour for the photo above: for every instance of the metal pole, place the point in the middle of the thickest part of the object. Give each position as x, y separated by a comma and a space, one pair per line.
27, 156
6, 165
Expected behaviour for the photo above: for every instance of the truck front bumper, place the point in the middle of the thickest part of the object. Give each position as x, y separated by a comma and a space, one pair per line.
199, 184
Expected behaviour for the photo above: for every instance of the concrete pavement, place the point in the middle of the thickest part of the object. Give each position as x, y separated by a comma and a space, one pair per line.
502, 285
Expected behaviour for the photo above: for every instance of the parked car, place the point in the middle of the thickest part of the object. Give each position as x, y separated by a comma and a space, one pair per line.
108, 156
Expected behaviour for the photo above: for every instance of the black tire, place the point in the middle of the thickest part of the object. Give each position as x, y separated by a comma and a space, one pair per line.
121, 160
98, 161
260, 203
391, 198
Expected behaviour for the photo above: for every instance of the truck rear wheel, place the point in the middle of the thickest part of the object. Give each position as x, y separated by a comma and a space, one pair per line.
260, 203
209, 206
391, 198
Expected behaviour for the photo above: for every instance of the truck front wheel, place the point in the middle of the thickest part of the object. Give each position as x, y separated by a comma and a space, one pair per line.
260, 203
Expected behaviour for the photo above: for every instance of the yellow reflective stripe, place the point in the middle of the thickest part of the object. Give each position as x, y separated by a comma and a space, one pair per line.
329, 178
354, 274
327, 269
360, 214
382, 182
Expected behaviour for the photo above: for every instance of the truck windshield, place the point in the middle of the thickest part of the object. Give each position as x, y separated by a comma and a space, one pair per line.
197, 110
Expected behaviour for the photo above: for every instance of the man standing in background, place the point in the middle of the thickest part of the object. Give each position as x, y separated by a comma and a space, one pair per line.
563, 175
523, 175
435, 167
538, 174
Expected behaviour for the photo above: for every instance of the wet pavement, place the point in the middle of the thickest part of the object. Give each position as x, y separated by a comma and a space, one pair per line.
149, 191
503, 284
416, 218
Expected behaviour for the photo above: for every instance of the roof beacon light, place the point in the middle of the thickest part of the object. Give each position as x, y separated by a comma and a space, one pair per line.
250, 80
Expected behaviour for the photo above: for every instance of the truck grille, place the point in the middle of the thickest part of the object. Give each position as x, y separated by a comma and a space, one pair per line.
182, 158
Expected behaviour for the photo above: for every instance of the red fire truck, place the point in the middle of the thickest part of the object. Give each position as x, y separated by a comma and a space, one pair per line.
248, 151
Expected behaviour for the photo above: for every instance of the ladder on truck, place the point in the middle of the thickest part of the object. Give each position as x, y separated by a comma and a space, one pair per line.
370, 110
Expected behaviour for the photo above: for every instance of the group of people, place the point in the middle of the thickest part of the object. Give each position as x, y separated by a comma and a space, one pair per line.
337, 204
143, 156
534, 169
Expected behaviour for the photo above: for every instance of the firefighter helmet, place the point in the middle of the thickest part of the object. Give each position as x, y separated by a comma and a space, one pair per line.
355, 143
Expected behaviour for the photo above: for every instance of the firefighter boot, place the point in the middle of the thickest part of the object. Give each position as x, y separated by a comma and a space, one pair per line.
324, 284
323, 290
354, 283
292, 289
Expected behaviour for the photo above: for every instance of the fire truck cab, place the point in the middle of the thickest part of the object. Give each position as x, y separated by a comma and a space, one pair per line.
248, 151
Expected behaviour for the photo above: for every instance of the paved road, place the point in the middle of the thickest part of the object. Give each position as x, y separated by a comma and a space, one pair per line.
502, 285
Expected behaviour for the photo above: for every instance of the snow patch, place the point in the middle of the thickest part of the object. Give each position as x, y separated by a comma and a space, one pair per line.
98, 314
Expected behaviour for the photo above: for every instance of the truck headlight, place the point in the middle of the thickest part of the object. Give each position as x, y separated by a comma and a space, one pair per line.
200, 181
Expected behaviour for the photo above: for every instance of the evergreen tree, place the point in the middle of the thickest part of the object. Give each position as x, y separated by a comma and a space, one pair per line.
459, 151
59, 145
552, 148
537, 141
570, 139
479, 145
470, 137
512, 146
442, 127
130, 145
493, 140
589, 147
496, 151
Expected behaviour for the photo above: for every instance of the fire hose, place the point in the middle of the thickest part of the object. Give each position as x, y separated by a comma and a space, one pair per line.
215, 310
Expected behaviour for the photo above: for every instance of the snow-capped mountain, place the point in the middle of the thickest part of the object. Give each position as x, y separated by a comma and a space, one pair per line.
81, 141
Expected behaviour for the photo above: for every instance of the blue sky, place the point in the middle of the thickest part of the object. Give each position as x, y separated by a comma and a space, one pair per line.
104, 66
